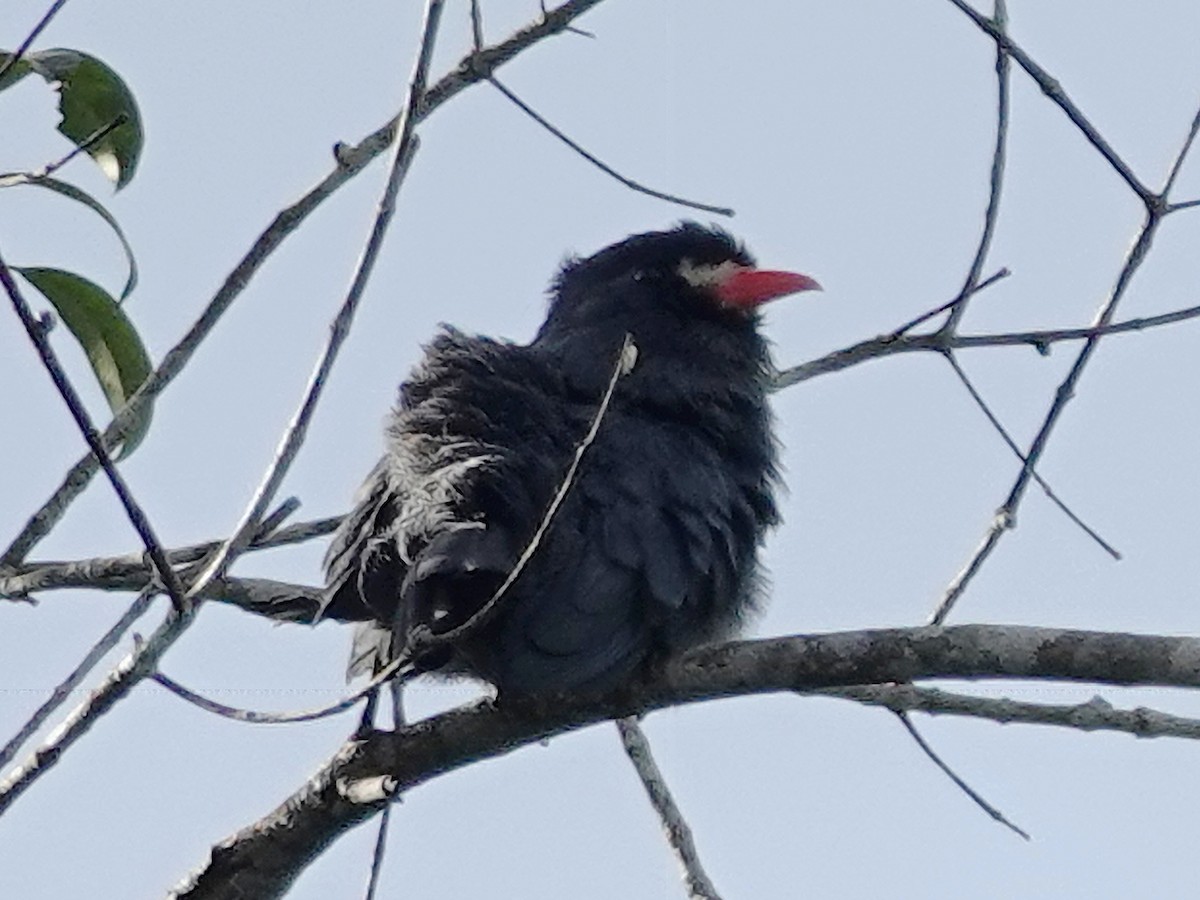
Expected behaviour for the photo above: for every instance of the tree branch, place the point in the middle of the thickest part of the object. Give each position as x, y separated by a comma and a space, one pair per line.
959, 782
679, 833
992, 215
1052, 89
939, 342
297, 430
63, 690
266, 857
1096, 714
601, 164
129, 572
1005, 518
1012, 445
37, 29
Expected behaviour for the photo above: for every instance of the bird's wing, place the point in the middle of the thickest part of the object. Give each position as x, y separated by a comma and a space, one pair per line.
362, 567
434, 528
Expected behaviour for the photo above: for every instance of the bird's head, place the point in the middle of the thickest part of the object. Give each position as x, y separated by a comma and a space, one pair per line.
704, 267
675, 291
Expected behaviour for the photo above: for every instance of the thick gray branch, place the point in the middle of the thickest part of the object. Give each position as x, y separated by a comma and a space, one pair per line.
263, 859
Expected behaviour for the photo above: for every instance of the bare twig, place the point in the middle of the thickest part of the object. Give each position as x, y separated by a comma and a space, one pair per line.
1005, 517
975, 796
33, 36
63, 691
472, 69
83, 420
1179, 158
963, 297
1096, 714
1052, 89
272, 522
115, 687
477, 26
294, 435
938, 342
1012, 445
599, 163
1041, 340
970, 285
130, 571
377, 856
679, 833
255, 717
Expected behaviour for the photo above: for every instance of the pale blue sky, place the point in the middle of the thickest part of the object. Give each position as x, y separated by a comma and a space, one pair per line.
854, 141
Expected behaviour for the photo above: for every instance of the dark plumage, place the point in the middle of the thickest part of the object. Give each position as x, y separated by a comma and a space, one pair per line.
654, 548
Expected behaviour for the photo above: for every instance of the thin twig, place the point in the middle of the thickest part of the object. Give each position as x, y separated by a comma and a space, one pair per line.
272, 522
599, 163
1005, 517
90, 141
377, 856
1169, 184
33, 36
1052, 89
256, 717
1096, 714
472, 69
1012, 445
962, 298
83, 420
477, 26
63, 690
975, 796
297, 430
131, 572
115, 687
1000, 20
1040, 340
679, 833
893, 343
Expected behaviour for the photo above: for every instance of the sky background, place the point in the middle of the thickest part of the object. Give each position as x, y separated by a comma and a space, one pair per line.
854, 140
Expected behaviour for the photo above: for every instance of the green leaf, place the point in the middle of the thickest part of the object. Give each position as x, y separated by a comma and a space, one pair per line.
91, 97
109, 339
13, 74
13, 179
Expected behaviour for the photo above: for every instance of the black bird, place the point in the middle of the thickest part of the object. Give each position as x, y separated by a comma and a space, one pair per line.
653, 549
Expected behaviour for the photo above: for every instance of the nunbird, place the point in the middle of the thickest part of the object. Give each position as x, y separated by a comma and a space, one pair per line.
653, 549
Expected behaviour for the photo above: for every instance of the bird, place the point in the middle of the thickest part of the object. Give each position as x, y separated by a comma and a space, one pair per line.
653, 546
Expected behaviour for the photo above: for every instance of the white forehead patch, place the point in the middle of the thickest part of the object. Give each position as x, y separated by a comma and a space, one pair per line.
706, 275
